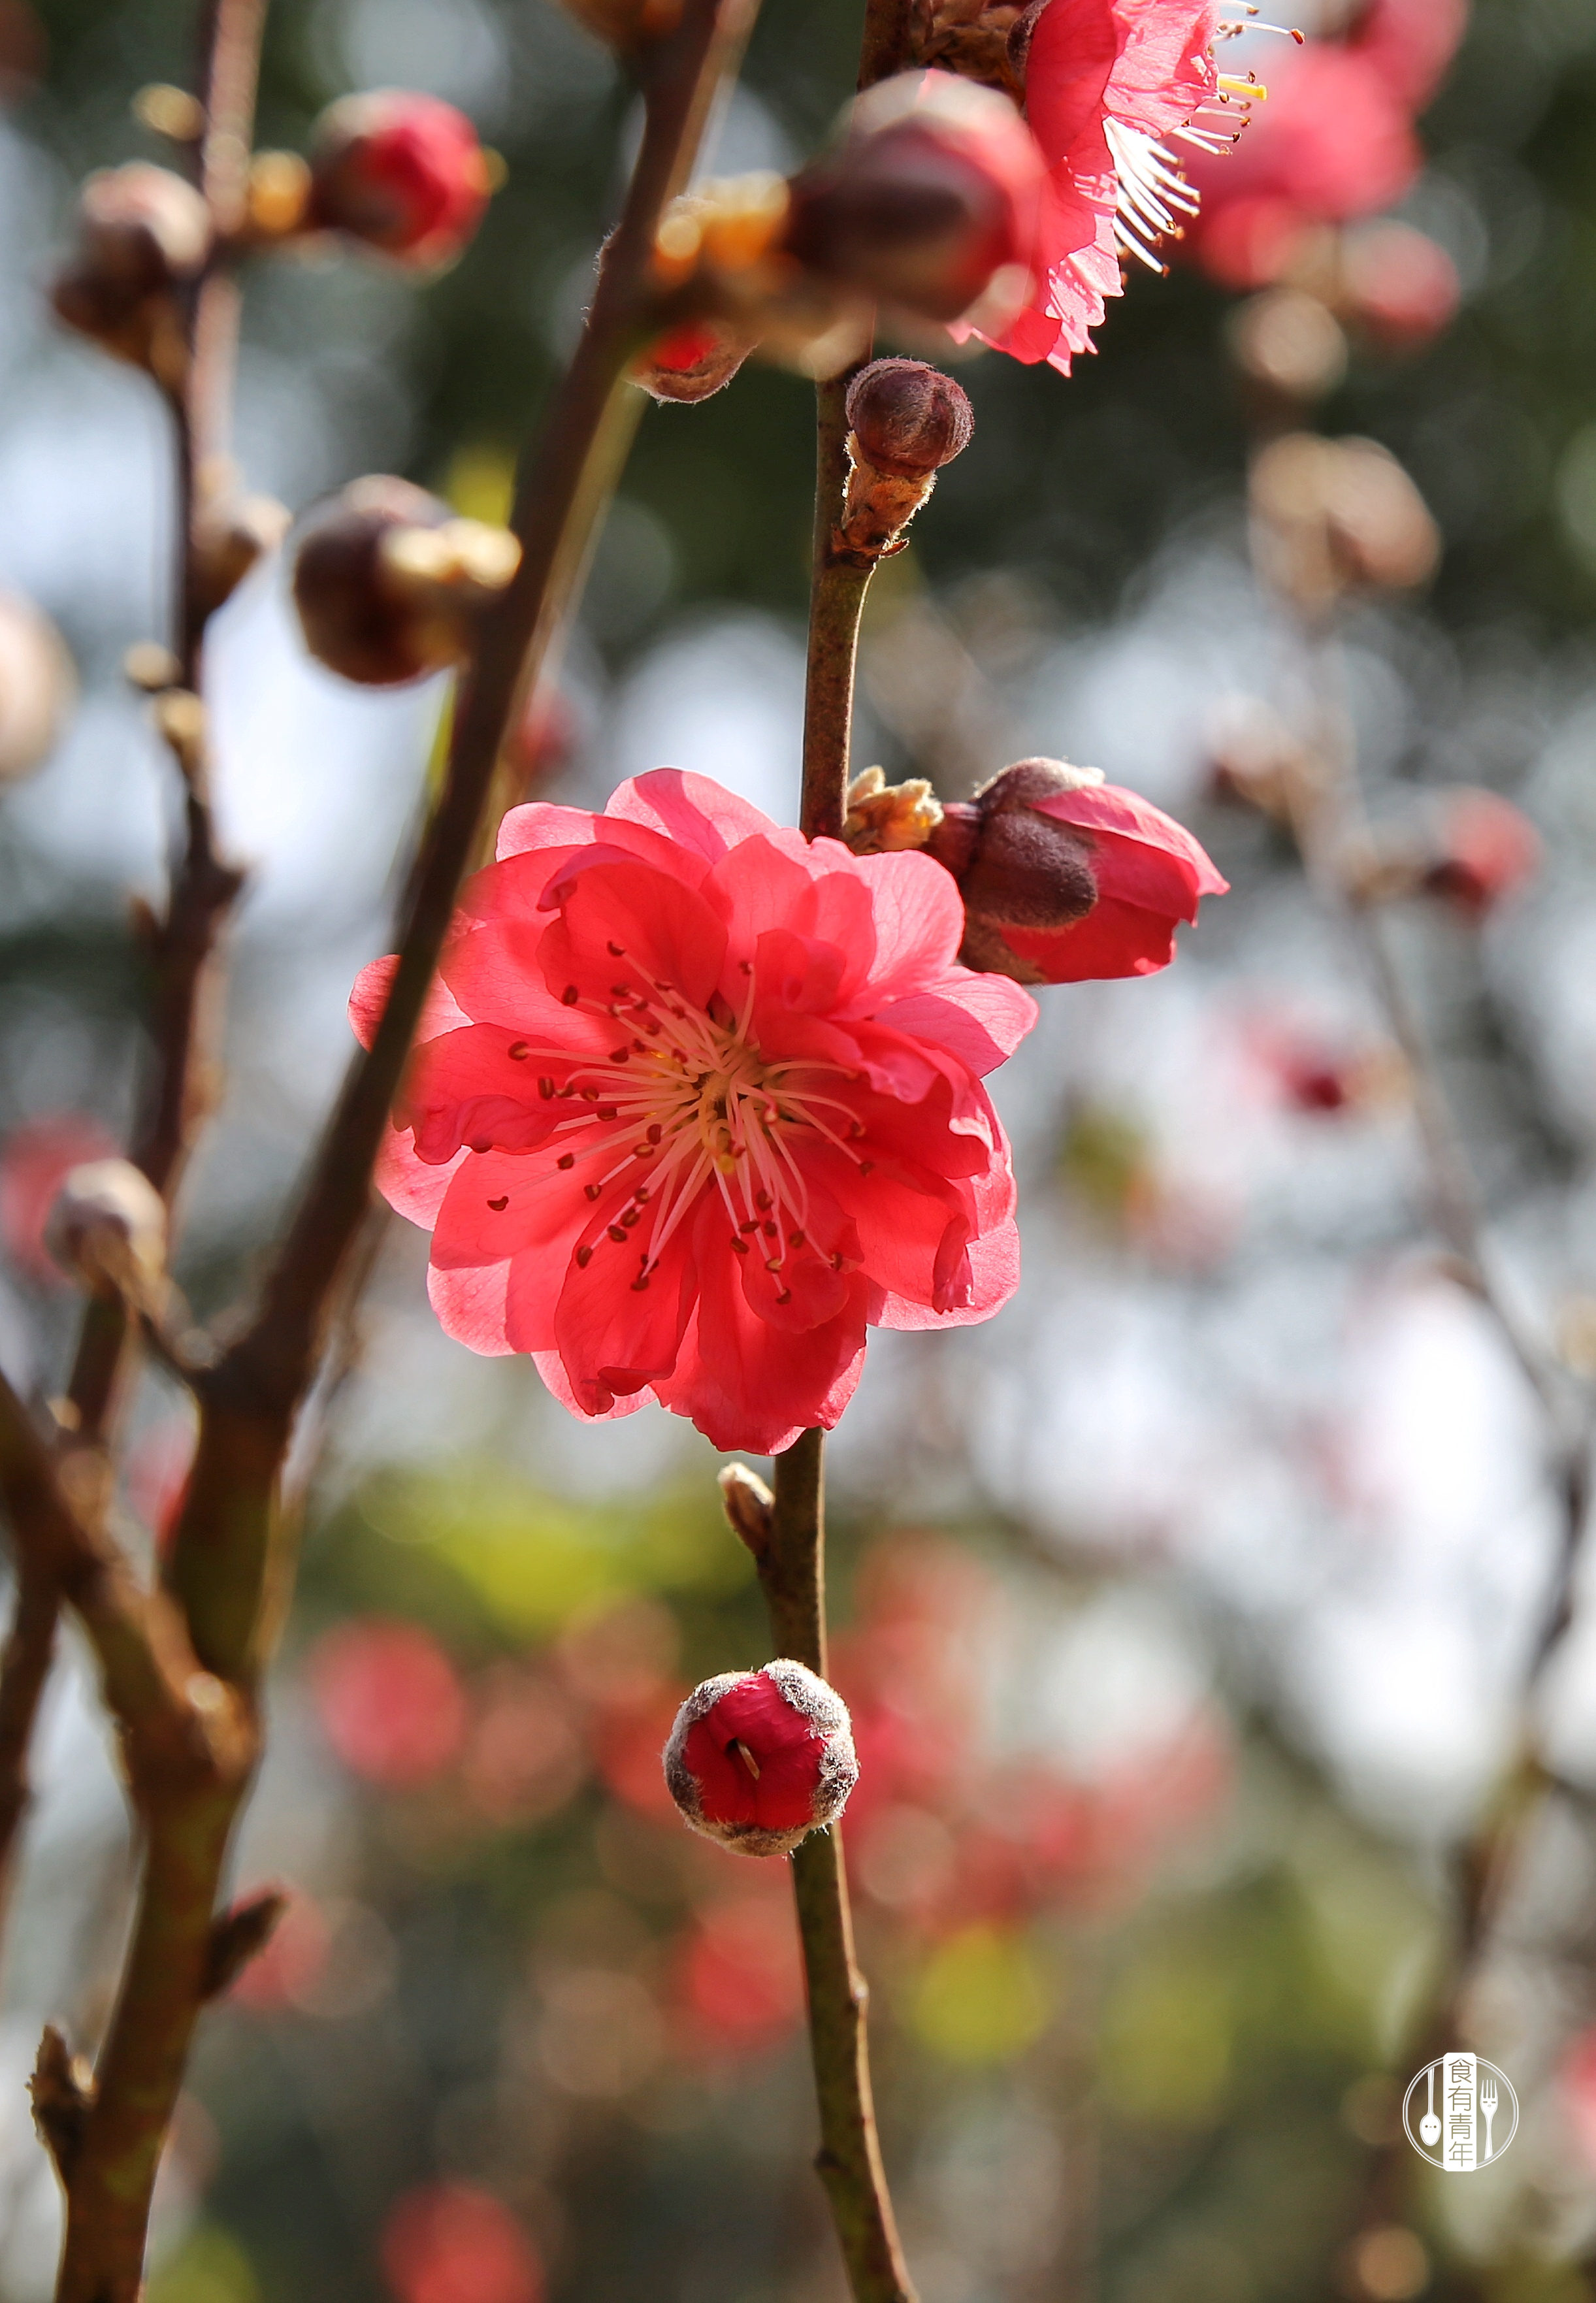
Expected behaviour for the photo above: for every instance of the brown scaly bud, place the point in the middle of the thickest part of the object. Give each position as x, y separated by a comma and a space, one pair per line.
692, 362
883, 819
230, 533
748, 1503
905, 421
1334, 516
63, 2092
36, 687
389, 584
143, 235
929, 202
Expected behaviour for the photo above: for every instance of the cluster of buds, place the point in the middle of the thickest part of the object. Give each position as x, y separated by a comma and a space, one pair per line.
399, 172
1336, 516
37, 685
927, 206
389, 584
759, 1759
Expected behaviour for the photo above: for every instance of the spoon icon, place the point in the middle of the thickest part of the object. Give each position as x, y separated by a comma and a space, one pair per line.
1429, 2126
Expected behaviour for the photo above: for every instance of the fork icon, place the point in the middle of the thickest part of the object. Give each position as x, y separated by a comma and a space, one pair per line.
1488, 2103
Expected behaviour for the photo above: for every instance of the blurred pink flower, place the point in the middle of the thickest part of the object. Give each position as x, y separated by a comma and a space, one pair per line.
1334, 141
740, 1978
389, 1701
1486, 850
696, 1102
452, 2243
35, 1161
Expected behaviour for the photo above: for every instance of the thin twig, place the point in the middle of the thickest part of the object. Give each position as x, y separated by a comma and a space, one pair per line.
229, 1565
791, 1564
791, 1561
182, 949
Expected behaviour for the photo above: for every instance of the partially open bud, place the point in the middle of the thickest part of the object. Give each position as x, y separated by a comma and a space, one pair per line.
1067, 879
1485, 851
692, 362
906, 422
403, 173
1339, 515
143, 234
108, 1225
37, 685
230, 533
389, 584
930, 201
759, 1759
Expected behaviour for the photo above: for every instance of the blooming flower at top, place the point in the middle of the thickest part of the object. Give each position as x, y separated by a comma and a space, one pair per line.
696, 1102
1106, 83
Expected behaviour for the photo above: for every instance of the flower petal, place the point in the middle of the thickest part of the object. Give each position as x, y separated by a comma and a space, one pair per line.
704, 817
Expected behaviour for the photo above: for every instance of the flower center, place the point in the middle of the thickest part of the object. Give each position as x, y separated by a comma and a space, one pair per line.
685, 1103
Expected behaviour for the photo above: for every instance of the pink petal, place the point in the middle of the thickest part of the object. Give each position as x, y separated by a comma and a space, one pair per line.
470, 1307
614, 1338
703, 816
620, 919
1073, 52
413, 1188
369, 998
920, 921
551, 1368
1113, 939
981, 1019
994, 1275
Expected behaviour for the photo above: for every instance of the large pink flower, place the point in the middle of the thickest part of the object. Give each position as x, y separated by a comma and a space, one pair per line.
696, 1102
1106, 81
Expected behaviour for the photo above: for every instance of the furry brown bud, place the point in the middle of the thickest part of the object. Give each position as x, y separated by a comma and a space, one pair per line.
908, 418
930, 197
142, 233
388, 583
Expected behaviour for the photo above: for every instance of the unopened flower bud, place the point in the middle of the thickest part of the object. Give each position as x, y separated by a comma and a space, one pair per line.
906, 421
230, 535
1336, 515
37, 685
388, 583
402, 172
1485, 851
142, 233
929, 202
1067, 879
748, 1504
908, 418
759, 1759
108, 1225
691, 362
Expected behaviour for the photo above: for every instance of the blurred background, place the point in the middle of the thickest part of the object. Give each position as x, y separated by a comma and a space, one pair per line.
1186, 1610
